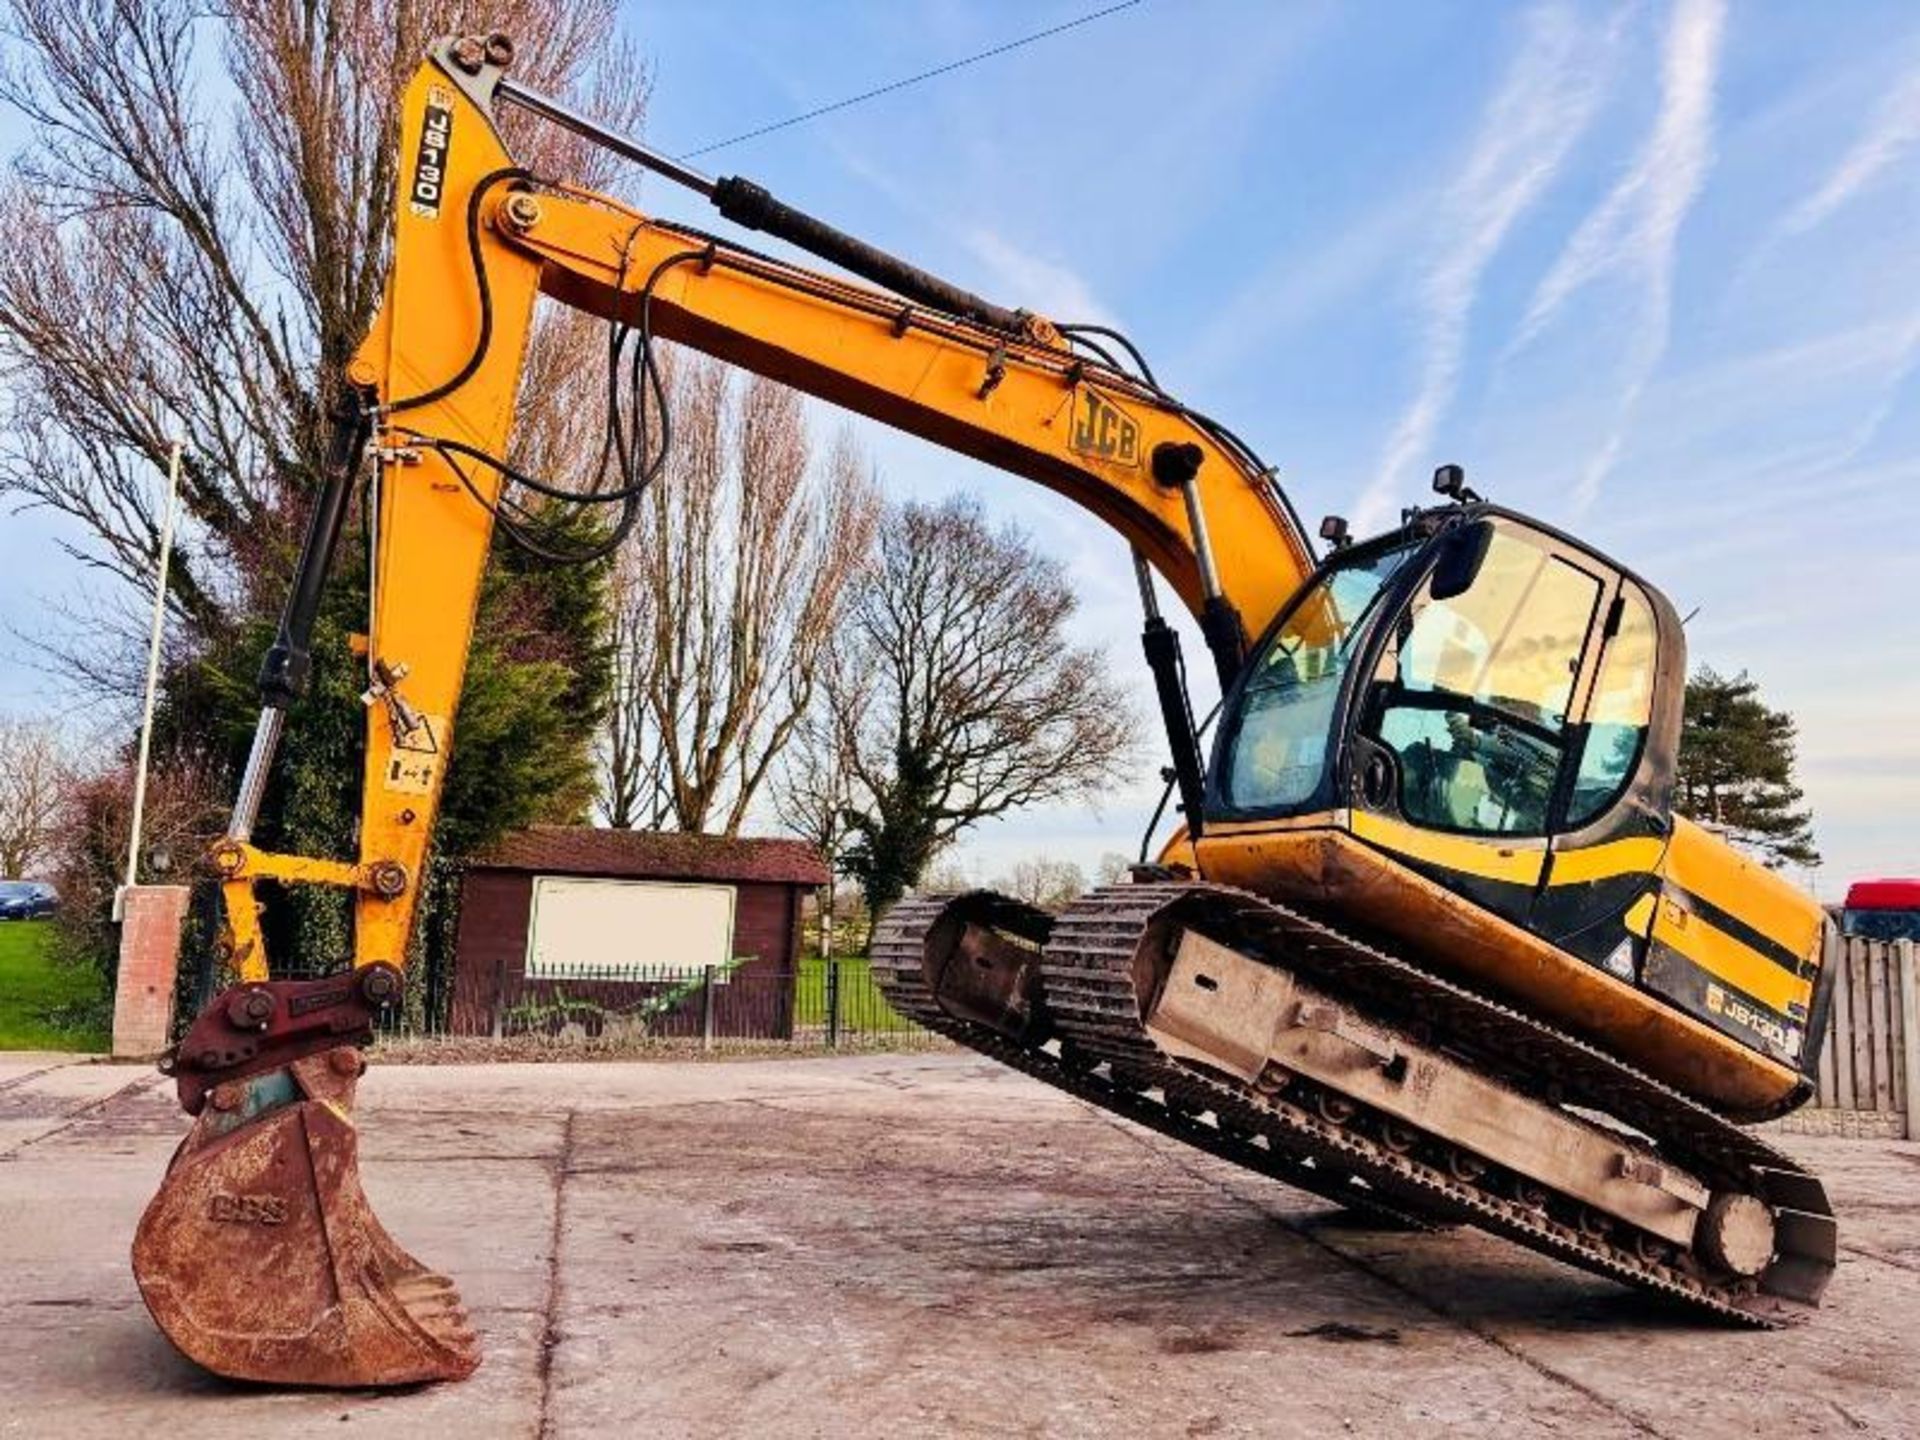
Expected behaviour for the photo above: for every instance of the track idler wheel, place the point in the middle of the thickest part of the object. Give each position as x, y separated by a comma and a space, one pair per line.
260, 1258
1737, 1234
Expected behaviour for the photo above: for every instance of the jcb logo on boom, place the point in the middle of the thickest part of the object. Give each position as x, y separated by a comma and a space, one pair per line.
1104, 431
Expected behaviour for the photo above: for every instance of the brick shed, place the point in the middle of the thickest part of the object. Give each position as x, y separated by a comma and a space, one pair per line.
560, 918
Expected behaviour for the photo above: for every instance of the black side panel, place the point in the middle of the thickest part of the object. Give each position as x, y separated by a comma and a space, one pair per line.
1712, 1000
1587, 919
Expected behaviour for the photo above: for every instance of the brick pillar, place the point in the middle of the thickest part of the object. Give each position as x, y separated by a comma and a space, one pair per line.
149, 959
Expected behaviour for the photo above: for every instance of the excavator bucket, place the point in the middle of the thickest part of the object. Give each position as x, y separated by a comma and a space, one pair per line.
261, 1259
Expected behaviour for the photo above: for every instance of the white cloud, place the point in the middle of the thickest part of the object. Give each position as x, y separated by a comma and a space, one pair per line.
1544, 104
1894, 129
1013, 275
1292, 289
1887, 395
1635, 228
1025, 281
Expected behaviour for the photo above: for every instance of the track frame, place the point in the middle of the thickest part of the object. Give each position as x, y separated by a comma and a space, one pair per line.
1090, 987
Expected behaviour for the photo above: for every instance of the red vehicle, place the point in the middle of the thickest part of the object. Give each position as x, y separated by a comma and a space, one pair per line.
1883, 909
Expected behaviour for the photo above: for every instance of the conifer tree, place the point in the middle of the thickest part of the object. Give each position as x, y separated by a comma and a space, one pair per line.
1736, 769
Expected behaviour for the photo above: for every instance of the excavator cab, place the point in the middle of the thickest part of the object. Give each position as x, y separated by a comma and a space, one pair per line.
1480, 687
1432, 913
1481, 702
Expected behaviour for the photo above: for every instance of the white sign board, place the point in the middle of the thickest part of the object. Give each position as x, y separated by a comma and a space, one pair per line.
607, 929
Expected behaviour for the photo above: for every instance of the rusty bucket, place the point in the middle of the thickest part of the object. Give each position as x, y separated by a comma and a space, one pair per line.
261, 1259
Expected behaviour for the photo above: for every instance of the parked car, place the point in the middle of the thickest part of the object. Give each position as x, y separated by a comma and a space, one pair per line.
1883, 910
27, 900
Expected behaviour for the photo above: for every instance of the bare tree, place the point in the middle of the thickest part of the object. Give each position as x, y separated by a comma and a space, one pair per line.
35, 776
185, 807
812, 795
948, 877
633, 788
842, 924
815, 784
736, 580
1113, 868
199, 234
191, 259
1045, 882
960, 695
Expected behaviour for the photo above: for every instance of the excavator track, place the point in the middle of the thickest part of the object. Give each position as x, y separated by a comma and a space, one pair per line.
1233, 1134
1095, 1044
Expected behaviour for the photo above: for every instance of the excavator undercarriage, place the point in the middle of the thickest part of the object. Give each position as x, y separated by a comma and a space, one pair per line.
1274, 1041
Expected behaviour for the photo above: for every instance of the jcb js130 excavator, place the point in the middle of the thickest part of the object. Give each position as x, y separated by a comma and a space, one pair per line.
1430, 942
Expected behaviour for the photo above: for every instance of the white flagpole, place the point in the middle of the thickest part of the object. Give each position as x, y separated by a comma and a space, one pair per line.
153, 668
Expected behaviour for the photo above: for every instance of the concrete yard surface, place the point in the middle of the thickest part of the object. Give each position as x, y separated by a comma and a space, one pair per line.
906, 1245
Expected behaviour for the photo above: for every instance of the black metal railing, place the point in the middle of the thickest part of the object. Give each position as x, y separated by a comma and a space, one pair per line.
818, 1004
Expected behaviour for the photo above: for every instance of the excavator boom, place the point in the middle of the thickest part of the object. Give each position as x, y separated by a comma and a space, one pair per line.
431, 393
441, 368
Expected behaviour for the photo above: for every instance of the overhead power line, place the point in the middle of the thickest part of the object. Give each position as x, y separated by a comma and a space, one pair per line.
888, 89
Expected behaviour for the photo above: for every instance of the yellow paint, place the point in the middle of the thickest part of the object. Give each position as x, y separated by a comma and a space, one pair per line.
1639, 916
433, 534
1702, 864
1603, 862
1726, 958
245, 944
299, 869
838, 341
1512, 862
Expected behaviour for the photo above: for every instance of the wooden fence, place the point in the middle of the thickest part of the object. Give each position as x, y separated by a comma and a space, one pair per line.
1870, 1064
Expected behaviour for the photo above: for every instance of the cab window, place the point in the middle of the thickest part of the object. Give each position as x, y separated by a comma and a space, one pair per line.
1281, 736
1472, 693
1621, 710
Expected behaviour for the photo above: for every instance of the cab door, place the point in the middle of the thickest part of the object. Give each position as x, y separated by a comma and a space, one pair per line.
1464, 739
1610, 823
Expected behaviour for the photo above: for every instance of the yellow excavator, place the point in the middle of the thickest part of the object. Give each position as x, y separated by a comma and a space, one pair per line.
1429, 941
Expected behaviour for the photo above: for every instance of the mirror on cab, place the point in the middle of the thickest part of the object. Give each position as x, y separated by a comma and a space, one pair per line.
1461, 554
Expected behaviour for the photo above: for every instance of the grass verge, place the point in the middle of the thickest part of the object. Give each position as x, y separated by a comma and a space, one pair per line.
45, 1005
862, 1007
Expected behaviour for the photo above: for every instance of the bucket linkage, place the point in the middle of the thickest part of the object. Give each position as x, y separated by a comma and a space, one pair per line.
260, 1257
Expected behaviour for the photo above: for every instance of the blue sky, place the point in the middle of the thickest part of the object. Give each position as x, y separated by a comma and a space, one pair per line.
1648, 270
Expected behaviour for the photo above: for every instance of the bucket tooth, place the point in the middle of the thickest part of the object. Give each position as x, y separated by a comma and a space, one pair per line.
260, 1258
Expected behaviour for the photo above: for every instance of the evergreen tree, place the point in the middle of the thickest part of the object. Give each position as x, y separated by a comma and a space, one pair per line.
1736, 769
535, 692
